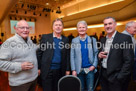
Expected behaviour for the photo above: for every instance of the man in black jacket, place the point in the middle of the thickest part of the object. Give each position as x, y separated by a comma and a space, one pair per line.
116, 57
53, 57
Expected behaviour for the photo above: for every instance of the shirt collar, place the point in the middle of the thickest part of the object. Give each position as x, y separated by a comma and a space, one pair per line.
112, 35
57, 37
83, 39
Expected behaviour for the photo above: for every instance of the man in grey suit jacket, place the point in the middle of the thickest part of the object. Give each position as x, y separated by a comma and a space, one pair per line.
116, 57
84, 57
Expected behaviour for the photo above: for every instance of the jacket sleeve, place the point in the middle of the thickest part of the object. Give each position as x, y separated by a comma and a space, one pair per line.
68, 56
128, 58
40, 52
95, 54
72, 55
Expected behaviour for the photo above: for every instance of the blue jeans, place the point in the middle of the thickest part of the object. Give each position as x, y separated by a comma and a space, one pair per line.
87, 80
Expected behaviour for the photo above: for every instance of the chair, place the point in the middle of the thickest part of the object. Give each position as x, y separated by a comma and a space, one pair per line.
69, 83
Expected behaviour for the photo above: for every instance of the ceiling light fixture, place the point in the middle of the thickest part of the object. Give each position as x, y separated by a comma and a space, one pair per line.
28, 6
58, 11
40, 14
25, 12
33, 7
34, 13
22, 6
16, 11
47, 3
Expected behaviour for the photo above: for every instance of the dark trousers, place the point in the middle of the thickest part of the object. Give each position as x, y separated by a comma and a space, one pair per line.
109, 86
25, 87
51, 81
126, 84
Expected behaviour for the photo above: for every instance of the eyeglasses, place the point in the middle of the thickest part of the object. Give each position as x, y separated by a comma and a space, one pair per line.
23, 28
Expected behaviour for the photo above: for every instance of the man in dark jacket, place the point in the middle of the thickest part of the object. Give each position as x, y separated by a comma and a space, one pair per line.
53, 57
116, 57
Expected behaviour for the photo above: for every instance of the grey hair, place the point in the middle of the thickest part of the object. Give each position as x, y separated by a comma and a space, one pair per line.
109, 18
129, 24
82, 22
58, 19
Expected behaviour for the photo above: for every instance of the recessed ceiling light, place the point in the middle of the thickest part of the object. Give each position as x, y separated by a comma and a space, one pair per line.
47, 3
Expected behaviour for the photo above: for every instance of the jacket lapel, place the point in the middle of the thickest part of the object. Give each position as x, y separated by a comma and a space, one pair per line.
78, 49
113, 43
64, 42
51, 38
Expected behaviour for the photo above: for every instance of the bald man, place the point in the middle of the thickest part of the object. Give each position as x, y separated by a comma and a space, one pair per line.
18, 58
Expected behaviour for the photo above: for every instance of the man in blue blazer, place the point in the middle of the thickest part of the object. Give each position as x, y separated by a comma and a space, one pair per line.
84, 57
116, 56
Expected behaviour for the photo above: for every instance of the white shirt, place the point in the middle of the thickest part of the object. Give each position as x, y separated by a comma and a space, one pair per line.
107, 49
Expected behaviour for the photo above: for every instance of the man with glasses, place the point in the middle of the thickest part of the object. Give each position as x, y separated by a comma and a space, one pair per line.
18, 57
